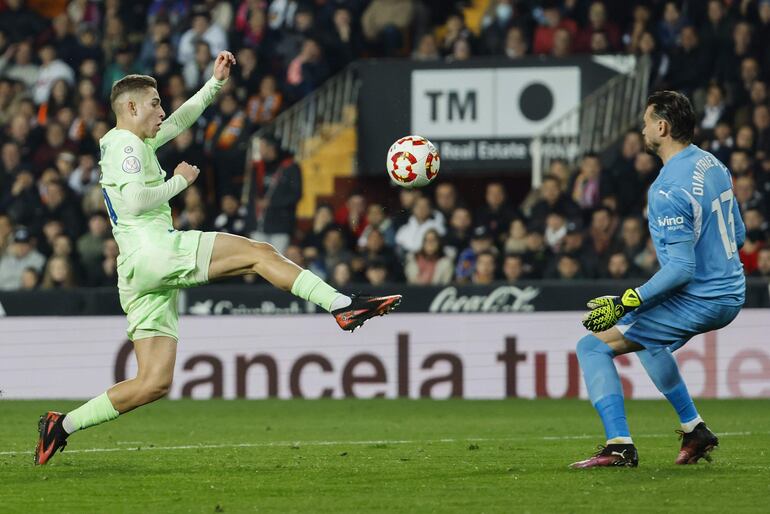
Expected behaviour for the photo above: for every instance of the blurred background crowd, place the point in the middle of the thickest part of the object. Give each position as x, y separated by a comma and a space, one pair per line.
58, 60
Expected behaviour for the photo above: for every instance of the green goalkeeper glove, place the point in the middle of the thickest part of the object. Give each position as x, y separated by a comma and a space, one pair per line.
607, 310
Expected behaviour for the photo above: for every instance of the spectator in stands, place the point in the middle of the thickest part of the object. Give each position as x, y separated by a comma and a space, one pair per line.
10, 161
516, 45
601, 234
555, 230
201, 29
536, 256
54, 143
409, 237
727, 69
157, 33
761, 120
446, 200
631, 191
335, 250
264, 106
484, 270
51, 70
352, 215
385, 22
19, 21
689, 63
20, 255
481, 241
715, 108
248, 74
344, 42
106, 275
307, 70
61, 96
496, 214
456, 30
60, 206
322, 221
23, 68
568, 268
429, 265
458, 236
342, 275
377, 273
198, 70
671, 25
763, 264
598, 24
85, 175
22, 201
500, 16
30, 279
375, 248
516, 240
378, 220
562, 43
406, 199
553, 31
513, 268
225, 143
747, 195
758, 95
749, 253
590, 184
552, 200
90, 245
619, 268
427, 49
715, 32
276, 193
232, 218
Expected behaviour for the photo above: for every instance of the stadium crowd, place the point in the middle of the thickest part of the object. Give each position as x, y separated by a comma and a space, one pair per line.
59, 59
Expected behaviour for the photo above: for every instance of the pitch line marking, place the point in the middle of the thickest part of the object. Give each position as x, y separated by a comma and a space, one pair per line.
290, 444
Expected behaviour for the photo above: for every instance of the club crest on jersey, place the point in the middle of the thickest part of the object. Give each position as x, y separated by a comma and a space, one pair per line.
670, 221
131, 164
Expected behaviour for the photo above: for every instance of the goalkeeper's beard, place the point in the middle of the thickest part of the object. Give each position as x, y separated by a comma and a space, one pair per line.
651, 146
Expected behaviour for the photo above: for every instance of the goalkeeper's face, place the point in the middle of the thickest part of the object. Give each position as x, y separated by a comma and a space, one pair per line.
651, 131
148, 112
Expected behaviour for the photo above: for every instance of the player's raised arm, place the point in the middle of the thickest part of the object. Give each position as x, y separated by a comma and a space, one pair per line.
191, 110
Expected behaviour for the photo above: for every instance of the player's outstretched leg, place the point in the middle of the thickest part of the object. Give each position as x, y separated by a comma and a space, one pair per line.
606, 394
697, 440
236, 255
155, 358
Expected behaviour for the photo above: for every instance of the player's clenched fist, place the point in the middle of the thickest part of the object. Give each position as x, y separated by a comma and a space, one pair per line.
222, 65
188, 171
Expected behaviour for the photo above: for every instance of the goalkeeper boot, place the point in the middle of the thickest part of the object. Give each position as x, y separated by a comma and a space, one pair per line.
620, 455
364, 307
52, 436
696, 445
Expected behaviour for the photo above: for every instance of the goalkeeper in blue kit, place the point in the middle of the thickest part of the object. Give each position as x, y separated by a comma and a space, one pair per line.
697, 230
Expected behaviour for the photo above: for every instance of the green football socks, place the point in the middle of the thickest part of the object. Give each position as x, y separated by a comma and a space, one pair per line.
94, 412
310, 287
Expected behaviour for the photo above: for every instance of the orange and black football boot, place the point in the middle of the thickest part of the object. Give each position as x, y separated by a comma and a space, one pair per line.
364, 307
52, 437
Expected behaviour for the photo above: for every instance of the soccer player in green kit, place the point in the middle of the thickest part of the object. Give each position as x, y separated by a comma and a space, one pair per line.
155, 260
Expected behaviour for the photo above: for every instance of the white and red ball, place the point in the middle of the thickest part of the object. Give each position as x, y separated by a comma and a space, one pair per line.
412, 162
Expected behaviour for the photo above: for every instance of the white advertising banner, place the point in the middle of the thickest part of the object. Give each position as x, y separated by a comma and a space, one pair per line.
409, 355
493, 102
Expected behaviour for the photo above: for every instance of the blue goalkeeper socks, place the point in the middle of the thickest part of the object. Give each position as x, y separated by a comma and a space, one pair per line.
664, 372
604, 388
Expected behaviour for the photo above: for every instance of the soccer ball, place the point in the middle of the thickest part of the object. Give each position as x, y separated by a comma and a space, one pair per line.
412, 162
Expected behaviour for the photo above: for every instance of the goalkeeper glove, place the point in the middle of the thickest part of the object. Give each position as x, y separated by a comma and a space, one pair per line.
607, 310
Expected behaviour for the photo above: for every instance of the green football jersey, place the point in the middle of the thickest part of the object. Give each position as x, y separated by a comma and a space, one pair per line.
125, 158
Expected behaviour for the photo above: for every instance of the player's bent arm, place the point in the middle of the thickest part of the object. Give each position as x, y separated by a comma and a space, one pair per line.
139, 198
188, 112
677, 272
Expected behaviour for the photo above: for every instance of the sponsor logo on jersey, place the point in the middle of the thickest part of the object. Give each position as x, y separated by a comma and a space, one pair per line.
128, 149
670, 221
131, 164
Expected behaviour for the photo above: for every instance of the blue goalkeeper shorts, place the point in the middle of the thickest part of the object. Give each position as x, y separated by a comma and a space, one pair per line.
675, 321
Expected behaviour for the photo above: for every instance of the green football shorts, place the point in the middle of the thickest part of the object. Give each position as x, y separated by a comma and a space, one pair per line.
151, 273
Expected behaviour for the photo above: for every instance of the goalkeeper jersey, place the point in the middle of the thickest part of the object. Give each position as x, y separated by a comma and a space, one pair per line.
692, 200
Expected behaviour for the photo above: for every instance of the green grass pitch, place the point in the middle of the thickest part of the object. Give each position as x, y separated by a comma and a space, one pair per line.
380, 455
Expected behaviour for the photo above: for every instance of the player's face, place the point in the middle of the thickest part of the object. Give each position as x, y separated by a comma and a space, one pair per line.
650, 131
150, 113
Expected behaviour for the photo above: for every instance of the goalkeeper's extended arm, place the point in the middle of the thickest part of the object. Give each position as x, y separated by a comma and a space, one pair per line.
678, 271
140, 198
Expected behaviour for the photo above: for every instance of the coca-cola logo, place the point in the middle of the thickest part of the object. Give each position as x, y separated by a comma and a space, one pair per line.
500, 299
